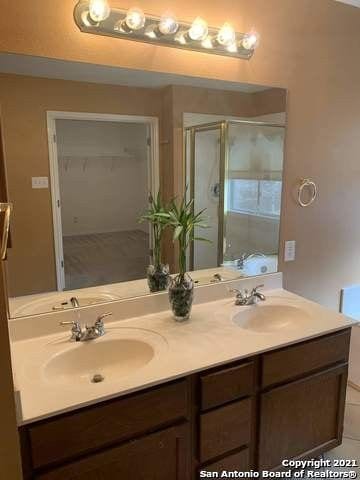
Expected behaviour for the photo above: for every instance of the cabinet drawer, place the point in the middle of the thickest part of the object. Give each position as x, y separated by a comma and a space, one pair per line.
298, 360
95, 427
227, 385
225, 429
160, 456
239, 461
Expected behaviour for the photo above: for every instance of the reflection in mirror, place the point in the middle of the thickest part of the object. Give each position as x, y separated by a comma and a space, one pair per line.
85, 145
235, 172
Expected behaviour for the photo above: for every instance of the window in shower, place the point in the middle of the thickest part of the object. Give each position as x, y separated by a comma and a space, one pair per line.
255, 197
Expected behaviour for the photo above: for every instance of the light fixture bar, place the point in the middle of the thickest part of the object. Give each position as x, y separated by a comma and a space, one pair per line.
149, 28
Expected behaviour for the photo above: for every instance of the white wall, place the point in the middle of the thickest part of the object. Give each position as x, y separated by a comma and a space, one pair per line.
103, 175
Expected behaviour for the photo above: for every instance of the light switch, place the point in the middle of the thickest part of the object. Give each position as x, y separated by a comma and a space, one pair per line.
290, 251
40, 182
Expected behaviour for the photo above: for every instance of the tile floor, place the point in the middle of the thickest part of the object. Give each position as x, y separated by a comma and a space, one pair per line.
350, 448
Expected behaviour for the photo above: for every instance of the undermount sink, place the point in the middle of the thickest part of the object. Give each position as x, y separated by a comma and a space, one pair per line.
270, 318
96, 361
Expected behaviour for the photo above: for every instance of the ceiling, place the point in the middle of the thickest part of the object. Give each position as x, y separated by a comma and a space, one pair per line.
86, 72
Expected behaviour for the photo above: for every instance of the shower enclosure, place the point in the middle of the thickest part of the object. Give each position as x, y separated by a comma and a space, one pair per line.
234, 171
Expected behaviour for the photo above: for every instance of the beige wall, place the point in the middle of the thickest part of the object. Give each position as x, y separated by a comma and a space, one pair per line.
24, 102
308, 46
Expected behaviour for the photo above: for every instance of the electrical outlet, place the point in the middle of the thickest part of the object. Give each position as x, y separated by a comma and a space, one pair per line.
290, 251
40, 182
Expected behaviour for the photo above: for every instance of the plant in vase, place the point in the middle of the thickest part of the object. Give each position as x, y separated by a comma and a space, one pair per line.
183, 220
158, 276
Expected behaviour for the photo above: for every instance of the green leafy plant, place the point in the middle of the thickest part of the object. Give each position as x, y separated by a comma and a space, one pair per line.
157, 215
183, 220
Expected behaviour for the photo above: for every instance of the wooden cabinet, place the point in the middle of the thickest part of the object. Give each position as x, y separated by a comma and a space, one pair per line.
302, 418
89, 429
225, 429
247, 415
304, 358
236, 461
159, 456
228, 384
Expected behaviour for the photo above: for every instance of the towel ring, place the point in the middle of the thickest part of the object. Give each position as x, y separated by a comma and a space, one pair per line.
307, 182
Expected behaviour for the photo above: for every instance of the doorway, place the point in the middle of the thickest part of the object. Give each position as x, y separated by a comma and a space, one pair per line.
102, 169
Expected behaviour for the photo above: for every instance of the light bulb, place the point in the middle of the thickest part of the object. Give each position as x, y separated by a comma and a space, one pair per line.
135, 19
99, 10
226, 35
250, 41
199, 29
207, 43
168, 25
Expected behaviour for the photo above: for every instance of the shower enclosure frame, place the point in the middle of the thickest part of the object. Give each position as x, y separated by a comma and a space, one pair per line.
223, 127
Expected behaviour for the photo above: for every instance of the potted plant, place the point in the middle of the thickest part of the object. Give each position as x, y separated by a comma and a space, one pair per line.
183, 220
158, 276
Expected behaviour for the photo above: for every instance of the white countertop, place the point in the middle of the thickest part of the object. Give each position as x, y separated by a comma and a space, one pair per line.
210, 338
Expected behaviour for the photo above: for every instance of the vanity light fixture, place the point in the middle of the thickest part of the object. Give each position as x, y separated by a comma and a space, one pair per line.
99, 10
250, 41
226, 35
199, 29
168, 25
97, 17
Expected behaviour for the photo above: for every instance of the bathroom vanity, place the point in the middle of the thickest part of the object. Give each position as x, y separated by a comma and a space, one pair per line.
241, 416
231, 390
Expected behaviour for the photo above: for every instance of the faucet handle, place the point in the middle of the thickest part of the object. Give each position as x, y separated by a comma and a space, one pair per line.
233, 290
259, 295
240, 294
100, 318
74, 323
76, 331
236, 291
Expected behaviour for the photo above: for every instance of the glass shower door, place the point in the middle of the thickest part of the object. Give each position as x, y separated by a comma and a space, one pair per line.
204, 150
252, 202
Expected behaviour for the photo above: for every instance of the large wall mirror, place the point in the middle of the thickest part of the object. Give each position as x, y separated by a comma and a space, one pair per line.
85, 145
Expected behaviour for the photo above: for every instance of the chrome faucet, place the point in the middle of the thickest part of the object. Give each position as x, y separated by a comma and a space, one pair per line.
90, 333
240, 262
74, 302
248, 298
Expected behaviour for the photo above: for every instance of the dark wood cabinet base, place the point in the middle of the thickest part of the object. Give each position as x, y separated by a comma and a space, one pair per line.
246, 415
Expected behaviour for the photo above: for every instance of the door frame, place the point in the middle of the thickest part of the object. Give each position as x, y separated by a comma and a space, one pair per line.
152, 162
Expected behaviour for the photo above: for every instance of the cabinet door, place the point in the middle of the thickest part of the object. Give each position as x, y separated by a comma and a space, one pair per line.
302, 418
160, 456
